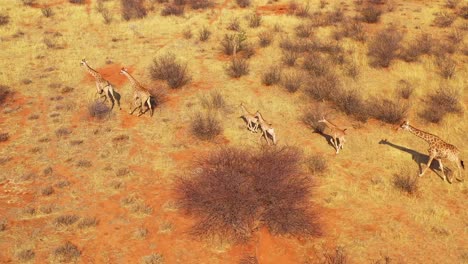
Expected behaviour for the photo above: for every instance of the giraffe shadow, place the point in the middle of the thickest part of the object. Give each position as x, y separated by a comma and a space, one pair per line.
418, 157
327, 138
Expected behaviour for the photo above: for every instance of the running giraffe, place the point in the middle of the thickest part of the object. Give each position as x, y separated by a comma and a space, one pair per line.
141, 95
266, 128
337, 134
252, 122
438, 149
104, 87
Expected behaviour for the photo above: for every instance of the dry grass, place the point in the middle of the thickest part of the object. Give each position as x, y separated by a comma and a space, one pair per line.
316, 164
204, 34
231, 41
444, 19
172, 10
289, 58
25, 255
370, 14
238, 67
4, 19
47, 12
271, 76
255, 20
152, 259
234, 24
404, 89
339, 256
423, 44
446, 66
205, 126
214, 101
292, 81
88, 222
167, 68
243, 3
265, 38
304, 30
66, 220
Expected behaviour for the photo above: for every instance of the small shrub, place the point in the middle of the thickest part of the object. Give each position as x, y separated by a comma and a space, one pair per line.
5, 92
26, 255
255, 20
316, 65
324, 87
351, 103
316, 164
271, 76
66, 220
234, 25
88, 222
289, 58
243, 3
47, 12
4, 137
172, 10
388, 111
205, 126
47, 191
446, 66
214, 101
339, 256
311, 118
204, 34
233, 42
404, 89
304, 30
384, 47
335, 16
78, 2
158, 96
292, 81
167, 68
300, 10
132, 9
444, 19
84, 164
3, 225
238, 67
62, 132
28, 2
463, 11
200, 4
422, 45
370, 14
404, 182
248, 260
152, 259
265, 38
98, 110
351, 69
107, 16
443, 101
351, 28
68, 252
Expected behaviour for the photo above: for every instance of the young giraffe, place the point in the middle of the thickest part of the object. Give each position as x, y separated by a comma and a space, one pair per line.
104, 87
338, 134
141, 95
438, 149
266, 128
252, 122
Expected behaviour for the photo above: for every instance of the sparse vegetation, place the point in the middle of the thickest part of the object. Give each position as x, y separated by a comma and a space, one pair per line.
234, 24
388, 111
62, 132
204, 34
404, 89
167, 68
311, 118
238, 67
67, 252
289, 58
78, 2
66, 220
236, 191
172, 10
132, 9
446, 66
316, 164
215, 101
205, 126
233, 41
25, 255
304, 30
88, 222
323, 87
339, 256
384, 46
271, 76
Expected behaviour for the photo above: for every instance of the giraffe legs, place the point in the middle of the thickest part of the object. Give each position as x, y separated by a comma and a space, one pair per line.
428, 165
264, 134
113, 99
335, 144
273, 136
442, 169
459, 170
149, 106
138, 106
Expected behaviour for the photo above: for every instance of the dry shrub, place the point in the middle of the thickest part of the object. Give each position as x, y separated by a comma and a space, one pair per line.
294, 45
172, 10
370, 14
351, 69
5, 92
292, 81
236, 191
384, 46
200, 4
300, 10
234, 24
158, 96
339, 256
248, 260
323, 87
265, 38
187, 33
98, 110
421, 45
443, 101
233, 41
215, 101
88, 222
62, 132
254, 20
243, 3
404, 89
289, 57
78, 2
316, 164
47, 12
4, 19
167, 68
351, 103
463, 11
311, 118
68, 252
205, 126
26, 255
388, 111
304, 30
84, 164
404, 182
107, 16
4, 137
238, 67
271, 76
204, 34
445, 66
133, 9
351, 28
152, 259
316, 65
66, 220
444, 19
335, 16
46, 191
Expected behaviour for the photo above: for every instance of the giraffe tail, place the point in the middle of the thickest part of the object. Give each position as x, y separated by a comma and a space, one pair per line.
462, 164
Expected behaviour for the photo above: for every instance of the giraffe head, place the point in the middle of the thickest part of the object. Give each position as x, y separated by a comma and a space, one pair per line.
321, 120
123, 70
404, 125
83, 62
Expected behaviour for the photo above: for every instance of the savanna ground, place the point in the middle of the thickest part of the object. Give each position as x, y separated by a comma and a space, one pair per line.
76, 187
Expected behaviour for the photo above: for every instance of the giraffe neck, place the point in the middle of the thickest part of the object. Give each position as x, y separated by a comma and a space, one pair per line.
245, 110
329, 124
91, 71
260, 118
132, 80
429, 138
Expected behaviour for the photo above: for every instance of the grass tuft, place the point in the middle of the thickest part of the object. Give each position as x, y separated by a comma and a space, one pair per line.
205, 126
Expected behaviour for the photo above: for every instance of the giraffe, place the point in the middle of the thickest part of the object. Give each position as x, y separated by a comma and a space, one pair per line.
266, 128
438, 149
338, 134
141, 95
104, 87
252, 122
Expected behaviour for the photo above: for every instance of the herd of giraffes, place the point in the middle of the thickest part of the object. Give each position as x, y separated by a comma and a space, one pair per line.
438, 149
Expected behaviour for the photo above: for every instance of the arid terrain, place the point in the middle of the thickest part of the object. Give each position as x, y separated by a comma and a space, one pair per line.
83, 183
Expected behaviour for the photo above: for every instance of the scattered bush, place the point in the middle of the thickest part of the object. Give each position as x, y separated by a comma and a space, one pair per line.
271, 76
4, 137
351, 69
235, 191
404, 89
324, 87
68, 252
167, 68
265, 38
337, 257
304, 30
384, 47
299, 10
389, 111
405, 182
132, 9
446, 66
84, 164
463, 11
443, 101
158, 96
214, 101
98, 110
46, 191
243, 3
152, 259
28, 2
292, 81
351, 28
47, 12
26, 255
289, 58
107, 16
172, 10
444, 19
335, 16
204, 34
238, 67
205, 126
370, 14
316, 164
255, 20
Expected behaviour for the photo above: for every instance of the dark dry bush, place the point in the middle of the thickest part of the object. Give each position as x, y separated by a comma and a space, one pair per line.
463, 11
289, 57
446, 66
234, 25
404, 89
107, 16
205, 126
152, 259
167, 68
265, 38
370, 14
67, 252
316, 164
339, 256
62, 132
388, 111
47, 191
299, 10
351, 69
248, 260
48, 171
324, 87
88, 222
200, 4
271, 76
3, 225
4, 19
384, 46
238, 67
444, 19
292, 81
158, 96
440, 103
4, 93
335, 16
311, 118
120, 138
304, 30
204, 34
233, 42
351, 28
78, 2
98, 110
243, 3
4, 137
214, 101
133, 9
254, 20
25, 255
404, 182
66, 220
172, 10
351, 103
84, 164
316, 65
47, 12
422, 45
234, 192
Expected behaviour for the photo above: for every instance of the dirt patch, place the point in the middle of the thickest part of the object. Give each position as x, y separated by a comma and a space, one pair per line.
111, 73
273, 9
